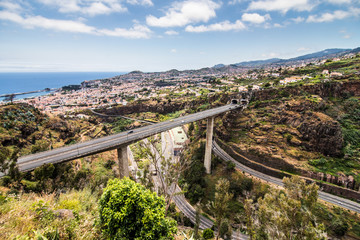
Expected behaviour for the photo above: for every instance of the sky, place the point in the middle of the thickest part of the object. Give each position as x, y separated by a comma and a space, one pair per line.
157, 35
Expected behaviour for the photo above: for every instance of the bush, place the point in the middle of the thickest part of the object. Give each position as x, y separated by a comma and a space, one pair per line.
208, 233
129, 211
339, 227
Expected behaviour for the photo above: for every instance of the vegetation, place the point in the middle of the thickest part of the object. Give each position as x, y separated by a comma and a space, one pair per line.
62, 201
71, 215
129, 211
286, 214
220, 206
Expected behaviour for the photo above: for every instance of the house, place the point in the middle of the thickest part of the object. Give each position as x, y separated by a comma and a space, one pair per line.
335, 74
180, 139
325, 72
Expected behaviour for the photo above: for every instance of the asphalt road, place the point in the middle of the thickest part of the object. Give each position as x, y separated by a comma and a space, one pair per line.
339, 201
179, 198
71, 152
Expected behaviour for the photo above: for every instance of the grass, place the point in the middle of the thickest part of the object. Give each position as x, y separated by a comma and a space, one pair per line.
335, 165
29, 215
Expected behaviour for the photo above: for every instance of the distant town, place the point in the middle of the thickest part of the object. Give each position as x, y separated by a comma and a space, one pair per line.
137, 85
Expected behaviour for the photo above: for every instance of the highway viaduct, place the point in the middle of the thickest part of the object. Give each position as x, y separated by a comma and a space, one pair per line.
122, 140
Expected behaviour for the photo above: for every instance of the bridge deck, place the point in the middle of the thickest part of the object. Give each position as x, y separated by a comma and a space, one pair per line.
67, 153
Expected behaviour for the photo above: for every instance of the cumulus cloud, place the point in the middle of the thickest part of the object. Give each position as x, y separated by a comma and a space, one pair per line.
278, 25
282, 5
186, 12
11, 6
254, 18
336, 15
137, 31
41, 22
142, 2
171, 32
339, 2
233, 2
92, 8
298, 19
219, 27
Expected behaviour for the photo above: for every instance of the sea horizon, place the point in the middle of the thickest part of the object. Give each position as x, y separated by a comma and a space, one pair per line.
18, 82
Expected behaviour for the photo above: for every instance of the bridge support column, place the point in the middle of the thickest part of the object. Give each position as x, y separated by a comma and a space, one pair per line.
122, 153
208, 146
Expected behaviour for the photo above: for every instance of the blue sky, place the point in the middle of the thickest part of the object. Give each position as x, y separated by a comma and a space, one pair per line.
154, 35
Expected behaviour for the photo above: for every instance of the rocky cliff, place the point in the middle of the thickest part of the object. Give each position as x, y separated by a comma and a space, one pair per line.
301, 130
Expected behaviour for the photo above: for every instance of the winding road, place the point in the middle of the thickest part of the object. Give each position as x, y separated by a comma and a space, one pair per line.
339, 201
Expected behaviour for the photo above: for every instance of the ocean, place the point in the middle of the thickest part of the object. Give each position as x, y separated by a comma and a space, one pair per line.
26, 82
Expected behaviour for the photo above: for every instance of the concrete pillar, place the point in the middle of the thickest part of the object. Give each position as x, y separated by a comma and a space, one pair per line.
123, 161
208, 146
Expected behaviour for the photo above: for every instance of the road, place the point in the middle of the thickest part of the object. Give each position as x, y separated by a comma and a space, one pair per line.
71, 152
339, 201
184, 206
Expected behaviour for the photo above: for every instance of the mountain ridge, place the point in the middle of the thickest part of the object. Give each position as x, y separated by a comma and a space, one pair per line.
326, 53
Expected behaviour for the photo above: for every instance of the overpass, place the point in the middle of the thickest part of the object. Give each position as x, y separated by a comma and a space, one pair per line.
121, 141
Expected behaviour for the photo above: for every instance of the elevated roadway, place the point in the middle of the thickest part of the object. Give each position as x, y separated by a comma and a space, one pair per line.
79, 150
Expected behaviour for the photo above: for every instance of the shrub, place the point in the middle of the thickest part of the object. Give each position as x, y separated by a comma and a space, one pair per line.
339, 227
208, 233
129, 211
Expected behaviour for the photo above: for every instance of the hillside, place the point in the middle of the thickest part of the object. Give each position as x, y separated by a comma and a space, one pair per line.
325, 54
310, 127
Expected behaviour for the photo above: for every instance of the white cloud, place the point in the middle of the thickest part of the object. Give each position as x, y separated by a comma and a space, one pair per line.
282, 5
270, 55
336, 15
87, 7
233, 2
183, 13
303, 49
254, 18
339, 2
171, 32
137, 31
13, 7
142, 2
41, 22
222, 26
173, 50
298, 19
345, 34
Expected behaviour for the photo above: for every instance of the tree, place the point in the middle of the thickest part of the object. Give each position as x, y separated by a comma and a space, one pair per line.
197, 222
167, 170
286, 214
129, 211
10, 98
220, 206
208, 233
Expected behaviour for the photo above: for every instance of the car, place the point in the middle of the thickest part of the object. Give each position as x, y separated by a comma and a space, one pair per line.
131, 131
182, 121
171, 120
154, 172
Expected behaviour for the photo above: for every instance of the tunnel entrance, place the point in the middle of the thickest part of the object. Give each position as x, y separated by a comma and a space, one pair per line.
234, 101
